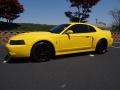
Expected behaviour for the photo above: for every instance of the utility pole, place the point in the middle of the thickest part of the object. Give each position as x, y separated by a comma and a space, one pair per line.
96, 21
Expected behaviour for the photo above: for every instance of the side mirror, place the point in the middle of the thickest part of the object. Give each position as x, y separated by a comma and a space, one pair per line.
69, 32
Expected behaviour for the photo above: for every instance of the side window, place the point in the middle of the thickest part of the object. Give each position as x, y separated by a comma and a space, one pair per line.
91, 29
75, 28
84, 28
81, 28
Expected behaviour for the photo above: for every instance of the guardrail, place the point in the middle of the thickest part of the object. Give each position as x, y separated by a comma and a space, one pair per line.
5, 35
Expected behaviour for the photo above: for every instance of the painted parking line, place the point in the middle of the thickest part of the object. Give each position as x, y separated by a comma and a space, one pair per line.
91, 55
4, 61
63, 86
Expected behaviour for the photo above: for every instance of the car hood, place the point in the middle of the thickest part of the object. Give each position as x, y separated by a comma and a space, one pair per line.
31, 35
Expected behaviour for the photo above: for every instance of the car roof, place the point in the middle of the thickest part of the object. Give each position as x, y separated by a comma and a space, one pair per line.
79, 23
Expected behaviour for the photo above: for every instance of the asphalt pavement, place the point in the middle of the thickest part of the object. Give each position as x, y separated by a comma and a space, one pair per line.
83, 71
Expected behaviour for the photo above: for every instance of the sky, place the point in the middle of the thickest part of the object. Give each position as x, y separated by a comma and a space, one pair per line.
52, 11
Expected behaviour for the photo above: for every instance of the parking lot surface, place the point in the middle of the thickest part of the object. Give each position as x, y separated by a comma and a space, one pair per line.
83, 71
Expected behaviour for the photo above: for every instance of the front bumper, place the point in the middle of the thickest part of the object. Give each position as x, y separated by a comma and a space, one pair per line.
19, 50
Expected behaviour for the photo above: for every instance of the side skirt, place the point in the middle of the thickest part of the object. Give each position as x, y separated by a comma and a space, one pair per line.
72, 52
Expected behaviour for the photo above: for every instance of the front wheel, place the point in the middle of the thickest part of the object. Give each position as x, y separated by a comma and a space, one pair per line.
41, 52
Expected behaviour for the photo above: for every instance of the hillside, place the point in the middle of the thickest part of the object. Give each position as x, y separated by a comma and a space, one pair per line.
24, 27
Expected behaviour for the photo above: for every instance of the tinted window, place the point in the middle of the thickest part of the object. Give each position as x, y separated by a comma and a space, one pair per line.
59, 28
91, 29
80, 28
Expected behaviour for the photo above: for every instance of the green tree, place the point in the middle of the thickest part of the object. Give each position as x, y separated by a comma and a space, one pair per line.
83, 9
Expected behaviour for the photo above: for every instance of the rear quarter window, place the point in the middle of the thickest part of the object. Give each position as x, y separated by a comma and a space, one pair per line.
91, 29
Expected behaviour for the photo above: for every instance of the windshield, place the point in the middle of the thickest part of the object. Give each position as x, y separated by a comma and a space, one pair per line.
59, 28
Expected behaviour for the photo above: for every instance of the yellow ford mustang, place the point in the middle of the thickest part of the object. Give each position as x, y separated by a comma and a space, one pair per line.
62, 39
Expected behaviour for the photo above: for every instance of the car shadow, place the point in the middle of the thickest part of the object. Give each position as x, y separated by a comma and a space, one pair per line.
18, 60
61, 57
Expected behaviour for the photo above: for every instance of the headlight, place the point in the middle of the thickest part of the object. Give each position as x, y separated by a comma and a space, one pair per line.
17, 42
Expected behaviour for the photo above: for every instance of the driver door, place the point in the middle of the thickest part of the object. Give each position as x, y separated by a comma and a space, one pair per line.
77, 40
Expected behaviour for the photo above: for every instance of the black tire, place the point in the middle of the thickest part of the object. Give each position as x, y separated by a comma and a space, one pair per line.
101, 47
41, 52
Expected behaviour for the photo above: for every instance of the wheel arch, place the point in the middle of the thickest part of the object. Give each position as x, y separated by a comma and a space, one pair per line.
104, 40
46, 41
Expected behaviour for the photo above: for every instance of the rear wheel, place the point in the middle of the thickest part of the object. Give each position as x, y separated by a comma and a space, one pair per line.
101, 46
41, 52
